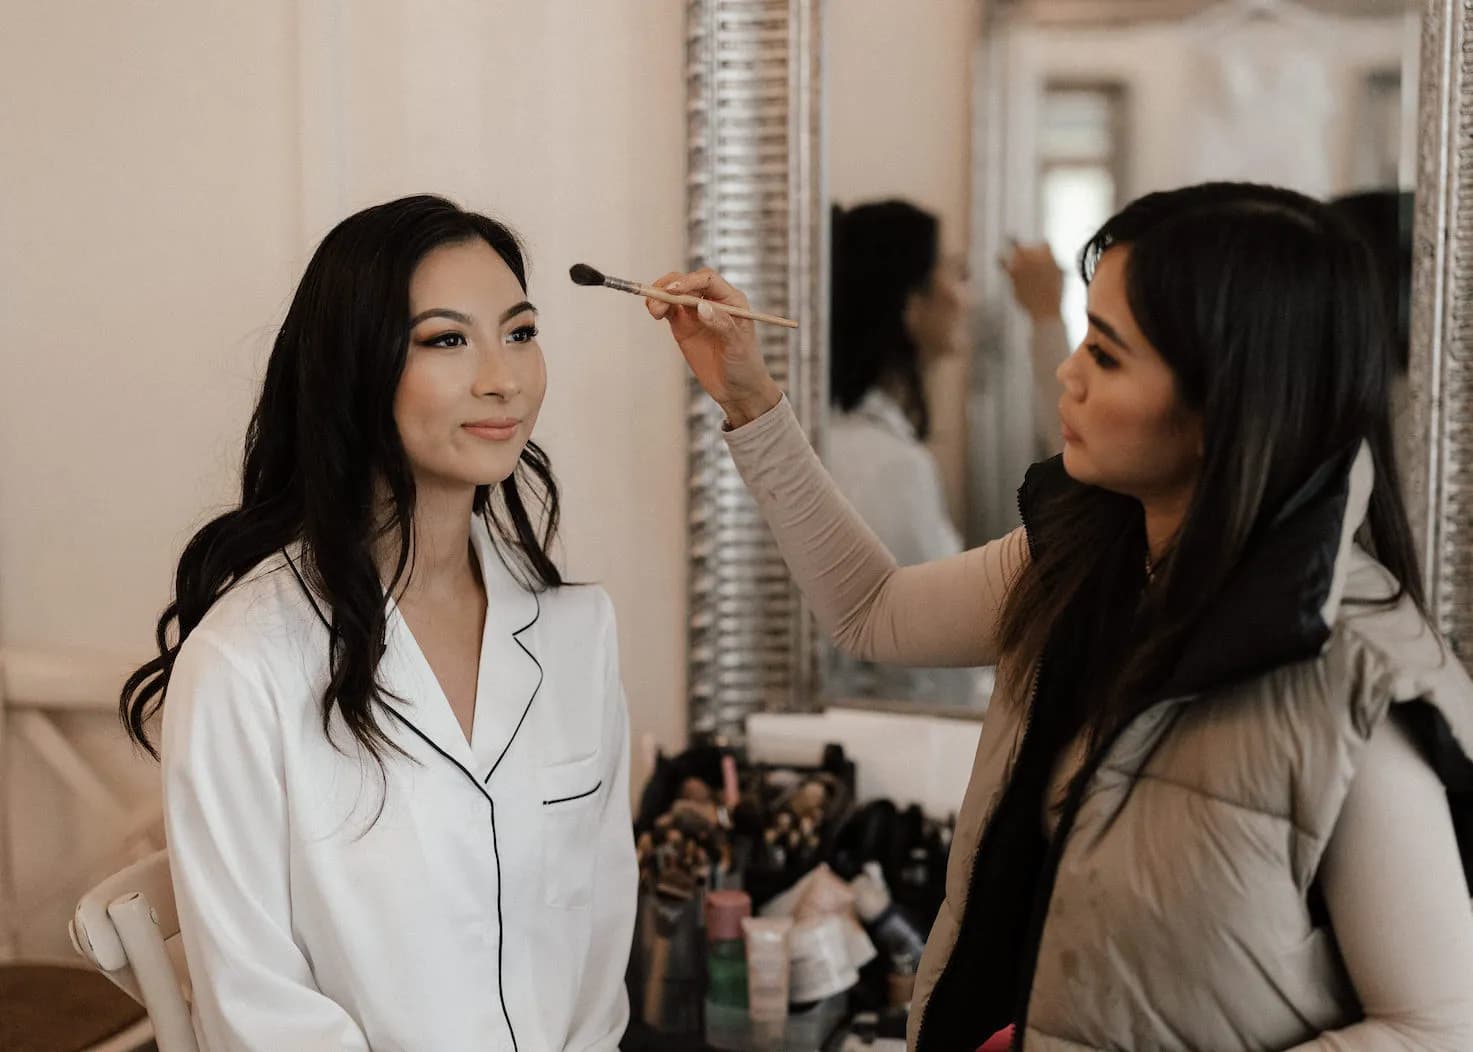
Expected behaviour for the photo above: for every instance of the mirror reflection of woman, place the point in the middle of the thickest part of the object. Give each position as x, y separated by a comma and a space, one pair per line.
395, 745
898, 309
1219, 793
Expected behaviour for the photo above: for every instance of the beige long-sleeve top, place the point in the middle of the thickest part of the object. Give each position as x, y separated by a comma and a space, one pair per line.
1391, 874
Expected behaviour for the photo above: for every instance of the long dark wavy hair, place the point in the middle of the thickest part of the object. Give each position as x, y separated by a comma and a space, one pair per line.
881, 253
322, 445
1266, 307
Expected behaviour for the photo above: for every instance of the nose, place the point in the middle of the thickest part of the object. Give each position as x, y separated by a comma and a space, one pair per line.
1071, 376
497, 377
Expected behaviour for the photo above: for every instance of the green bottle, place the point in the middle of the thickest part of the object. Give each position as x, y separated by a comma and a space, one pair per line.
726, 967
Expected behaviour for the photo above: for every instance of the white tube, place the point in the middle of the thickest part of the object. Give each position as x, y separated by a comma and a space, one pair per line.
767, 977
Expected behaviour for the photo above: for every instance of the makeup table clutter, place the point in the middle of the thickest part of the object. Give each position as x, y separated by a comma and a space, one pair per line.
777, 909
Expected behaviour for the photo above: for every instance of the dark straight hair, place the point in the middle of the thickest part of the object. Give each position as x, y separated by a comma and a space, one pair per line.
881, 253
1384, 218
322, 440
1265, 305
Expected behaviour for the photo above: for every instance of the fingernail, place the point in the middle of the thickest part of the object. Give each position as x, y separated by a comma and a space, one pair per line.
706, 311
674, 286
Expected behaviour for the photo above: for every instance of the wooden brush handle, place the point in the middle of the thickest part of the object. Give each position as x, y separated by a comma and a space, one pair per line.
695, 301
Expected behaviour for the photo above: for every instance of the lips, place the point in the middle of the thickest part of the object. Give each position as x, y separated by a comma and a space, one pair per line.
497, 430
1069, 434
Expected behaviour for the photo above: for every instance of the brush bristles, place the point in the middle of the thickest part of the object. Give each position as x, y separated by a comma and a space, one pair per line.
583, 274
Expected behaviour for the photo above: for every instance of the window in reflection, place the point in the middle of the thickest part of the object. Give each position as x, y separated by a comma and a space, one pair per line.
1378, 151
1080, 154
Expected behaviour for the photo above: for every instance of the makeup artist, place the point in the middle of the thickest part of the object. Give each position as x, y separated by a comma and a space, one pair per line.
1218, 798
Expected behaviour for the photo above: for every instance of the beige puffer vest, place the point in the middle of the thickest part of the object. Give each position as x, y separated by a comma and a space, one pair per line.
1174, 908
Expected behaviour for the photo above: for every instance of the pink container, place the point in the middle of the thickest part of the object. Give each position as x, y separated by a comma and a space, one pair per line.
998, 1042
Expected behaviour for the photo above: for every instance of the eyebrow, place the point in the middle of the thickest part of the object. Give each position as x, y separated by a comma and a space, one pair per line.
1109, 330
518, 308
465, 319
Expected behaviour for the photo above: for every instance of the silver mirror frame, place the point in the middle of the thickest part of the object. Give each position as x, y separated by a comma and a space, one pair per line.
757, 211
1437, 452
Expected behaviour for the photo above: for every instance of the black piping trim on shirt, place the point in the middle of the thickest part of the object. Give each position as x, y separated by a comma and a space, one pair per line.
541, 675
306, 591
480, 788
451, 759
500, 932
496, 853
570, 799
516, 638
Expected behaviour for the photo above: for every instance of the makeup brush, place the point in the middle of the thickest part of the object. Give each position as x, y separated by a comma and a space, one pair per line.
583, 274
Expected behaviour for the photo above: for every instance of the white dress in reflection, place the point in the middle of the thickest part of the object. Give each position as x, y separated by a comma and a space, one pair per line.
1265, 106
892, 480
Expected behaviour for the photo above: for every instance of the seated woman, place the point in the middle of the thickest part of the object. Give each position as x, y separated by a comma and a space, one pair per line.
395, 745
898, 309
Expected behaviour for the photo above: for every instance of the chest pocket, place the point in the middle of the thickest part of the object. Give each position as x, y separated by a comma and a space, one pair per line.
572, 795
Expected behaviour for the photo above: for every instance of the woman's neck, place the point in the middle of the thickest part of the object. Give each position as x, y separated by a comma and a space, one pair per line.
1164, 516
440, 551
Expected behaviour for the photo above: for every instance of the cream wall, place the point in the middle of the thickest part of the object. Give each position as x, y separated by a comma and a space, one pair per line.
169, 167
899, 82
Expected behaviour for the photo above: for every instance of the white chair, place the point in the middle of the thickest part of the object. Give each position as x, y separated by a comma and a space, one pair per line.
128, 928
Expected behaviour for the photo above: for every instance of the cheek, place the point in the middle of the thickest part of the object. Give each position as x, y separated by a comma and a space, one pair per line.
533, 376
421, 402
1146, 426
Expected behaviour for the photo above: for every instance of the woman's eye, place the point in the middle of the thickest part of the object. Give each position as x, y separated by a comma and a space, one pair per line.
446, 339
523, 334
1102, 357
